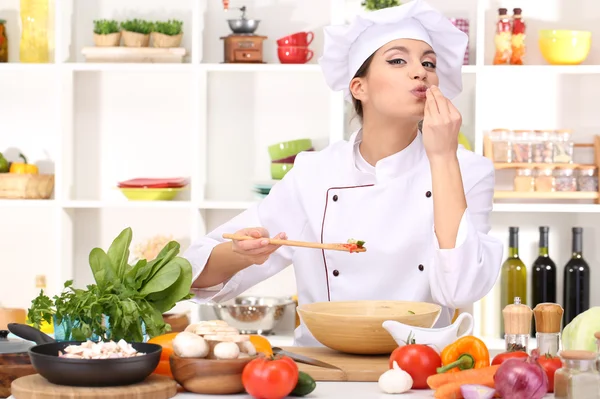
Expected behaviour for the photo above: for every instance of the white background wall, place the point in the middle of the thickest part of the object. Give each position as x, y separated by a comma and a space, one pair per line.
142, 123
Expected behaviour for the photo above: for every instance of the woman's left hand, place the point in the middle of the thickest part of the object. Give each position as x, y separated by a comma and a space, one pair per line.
441, 125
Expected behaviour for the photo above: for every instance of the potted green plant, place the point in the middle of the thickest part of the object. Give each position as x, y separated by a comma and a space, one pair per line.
167, 34
107, 33
372, 5
136, 32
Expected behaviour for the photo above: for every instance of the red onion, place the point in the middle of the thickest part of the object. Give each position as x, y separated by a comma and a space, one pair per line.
522, 378
477, 392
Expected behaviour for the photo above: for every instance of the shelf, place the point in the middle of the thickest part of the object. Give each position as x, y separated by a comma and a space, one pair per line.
128, 66
547, 208
566, 195
226, 205
16, 203
126, 204
526, 165
261, 67
543, 69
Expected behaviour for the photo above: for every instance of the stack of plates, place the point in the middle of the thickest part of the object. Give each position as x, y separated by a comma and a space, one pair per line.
148, 189
262, 189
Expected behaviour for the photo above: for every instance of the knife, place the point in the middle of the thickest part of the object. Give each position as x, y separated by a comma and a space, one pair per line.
304, 359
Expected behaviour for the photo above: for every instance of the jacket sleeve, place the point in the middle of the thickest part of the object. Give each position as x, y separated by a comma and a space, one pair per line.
280, 211
466, 273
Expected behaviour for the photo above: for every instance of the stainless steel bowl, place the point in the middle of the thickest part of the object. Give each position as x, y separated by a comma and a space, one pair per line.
243, 26
253, 315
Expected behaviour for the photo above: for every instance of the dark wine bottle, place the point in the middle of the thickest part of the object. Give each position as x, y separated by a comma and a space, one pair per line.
543, 275
576, 290
513, 276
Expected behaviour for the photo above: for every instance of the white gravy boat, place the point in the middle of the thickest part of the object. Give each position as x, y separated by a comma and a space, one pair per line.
438, 338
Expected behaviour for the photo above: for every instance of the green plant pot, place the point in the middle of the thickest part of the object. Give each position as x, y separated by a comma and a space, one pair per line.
289, 148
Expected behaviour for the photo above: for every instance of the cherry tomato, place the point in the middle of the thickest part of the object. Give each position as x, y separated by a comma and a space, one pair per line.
420, 361
550, 364
270, 377
502, 357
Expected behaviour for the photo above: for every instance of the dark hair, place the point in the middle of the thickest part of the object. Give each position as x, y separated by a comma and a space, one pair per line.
362, 72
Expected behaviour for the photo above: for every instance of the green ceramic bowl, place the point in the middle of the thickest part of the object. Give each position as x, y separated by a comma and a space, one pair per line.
150, 194
278, 170
289, 148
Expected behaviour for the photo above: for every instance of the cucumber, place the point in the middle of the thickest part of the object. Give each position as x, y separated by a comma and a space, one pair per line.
306, 384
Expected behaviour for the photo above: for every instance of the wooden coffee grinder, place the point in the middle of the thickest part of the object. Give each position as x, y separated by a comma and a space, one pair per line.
243, 45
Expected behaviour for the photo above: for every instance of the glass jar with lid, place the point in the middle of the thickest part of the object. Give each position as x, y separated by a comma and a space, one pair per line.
578, 378
542, 146
522, 146
544, 179
587, 178
501, 147
563, 147
564, 179
524, 180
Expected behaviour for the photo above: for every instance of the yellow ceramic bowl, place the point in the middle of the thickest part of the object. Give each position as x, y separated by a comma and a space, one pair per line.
565, 47
356, 326
150, 194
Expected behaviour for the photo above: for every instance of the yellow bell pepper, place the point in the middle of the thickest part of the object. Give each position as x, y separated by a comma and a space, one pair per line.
23, 168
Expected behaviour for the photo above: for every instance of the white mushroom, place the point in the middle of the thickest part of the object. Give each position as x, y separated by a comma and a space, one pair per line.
187, 344
226, 350
247, 347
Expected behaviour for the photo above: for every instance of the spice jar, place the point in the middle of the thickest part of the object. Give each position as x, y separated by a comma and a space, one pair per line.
544, 179
517, 326
542, 146
548, 317
587, 178
521, 146
578, 378
563, 147
524, 180
564, 179
501, 148
3, 42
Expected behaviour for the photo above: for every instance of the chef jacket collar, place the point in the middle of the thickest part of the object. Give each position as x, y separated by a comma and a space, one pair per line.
392, 166
346, 47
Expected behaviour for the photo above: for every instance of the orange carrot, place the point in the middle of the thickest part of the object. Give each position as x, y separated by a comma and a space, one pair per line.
452, 389
481, 376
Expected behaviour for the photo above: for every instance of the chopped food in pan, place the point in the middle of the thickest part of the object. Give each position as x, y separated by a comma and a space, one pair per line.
100, 350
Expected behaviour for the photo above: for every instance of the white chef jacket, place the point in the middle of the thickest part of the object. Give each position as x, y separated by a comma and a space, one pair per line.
333, 195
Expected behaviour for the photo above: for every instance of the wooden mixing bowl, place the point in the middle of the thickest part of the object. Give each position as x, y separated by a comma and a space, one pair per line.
356, 326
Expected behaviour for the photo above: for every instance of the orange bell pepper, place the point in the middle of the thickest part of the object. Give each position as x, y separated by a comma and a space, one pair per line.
23, 168
166, 341
465, 353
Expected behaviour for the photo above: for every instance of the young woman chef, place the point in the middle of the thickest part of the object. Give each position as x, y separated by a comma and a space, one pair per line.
420, 202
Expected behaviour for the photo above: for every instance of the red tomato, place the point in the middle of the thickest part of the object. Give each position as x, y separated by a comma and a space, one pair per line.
501, 357
420, 361
270, 378
550, 364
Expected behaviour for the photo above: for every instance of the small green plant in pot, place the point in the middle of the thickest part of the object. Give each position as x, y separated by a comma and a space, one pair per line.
107, 33
136, 32
373, 5
167, 34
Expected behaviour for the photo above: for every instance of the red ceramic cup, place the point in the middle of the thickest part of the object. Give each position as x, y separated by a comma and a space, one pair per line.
300, 39
294, 55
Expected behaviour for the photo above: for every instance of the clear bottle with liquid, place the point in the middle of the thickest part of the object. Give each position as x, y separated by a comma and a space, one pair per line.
513, 277
34, 45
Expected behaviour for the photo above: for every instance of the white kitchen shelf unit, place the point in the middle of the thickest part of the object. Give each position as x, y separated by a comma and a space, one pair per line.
85, 123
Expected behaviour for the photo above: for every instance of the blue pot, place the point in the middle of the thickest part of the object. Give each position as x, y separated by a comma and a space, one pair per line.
63, 331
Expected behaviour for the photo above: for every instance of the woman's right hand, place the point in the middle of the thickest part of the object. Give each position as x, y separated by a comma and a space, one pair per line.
256, 251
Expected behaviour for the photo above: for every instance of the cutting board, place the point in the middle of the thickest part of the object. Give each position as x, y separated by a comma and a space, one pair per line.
353, 367
37, 387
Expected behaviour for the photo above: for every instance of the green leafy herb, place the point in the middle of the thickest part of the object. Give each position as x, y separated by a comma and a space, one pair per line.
126, 294
137, 26
373, 5
171, 27
106, 27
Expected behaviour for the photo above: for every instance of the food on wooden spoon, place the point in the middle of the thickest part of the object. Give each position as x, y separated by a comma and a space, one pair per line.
100, 350
354, 245
395, 380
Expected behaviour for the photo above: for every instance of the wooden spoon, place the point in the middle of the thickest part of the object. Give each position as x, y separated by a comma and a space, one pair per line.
304, 244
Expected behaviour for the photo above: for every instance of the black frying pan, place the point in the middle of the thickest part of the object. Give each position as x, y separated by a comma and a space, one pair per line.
86, 372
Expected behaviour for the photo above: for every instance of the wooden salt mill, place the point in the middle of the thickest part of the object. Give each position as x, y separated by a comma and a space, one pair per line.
517, 326
548, 319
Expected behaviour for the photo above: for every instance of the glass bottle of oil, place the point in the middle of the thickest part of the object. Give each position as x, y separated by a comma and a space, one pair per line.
513, 277
34, 35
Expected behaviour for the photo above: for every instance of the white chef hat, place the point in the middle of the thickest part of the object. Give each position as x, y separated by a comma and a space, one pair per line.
347, 47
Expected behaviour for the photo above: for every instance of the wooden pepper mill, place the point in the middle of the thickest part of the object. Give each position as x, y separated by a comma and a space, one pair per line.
517, 326
548, 319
